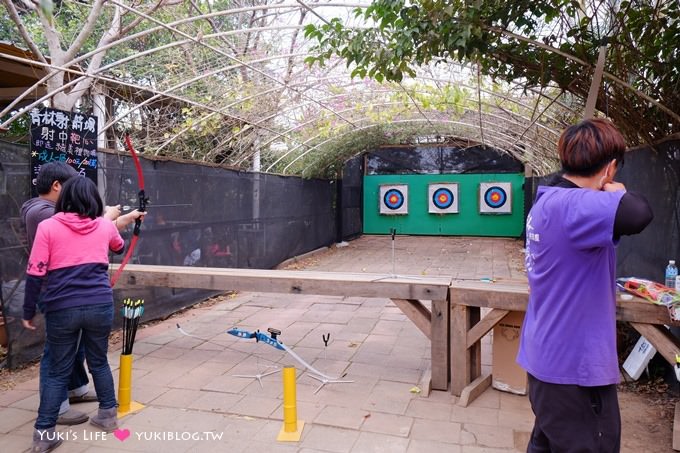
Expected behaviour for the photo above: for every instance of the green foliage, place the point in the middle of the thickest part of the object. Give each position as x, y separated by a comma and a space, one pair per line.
642, 40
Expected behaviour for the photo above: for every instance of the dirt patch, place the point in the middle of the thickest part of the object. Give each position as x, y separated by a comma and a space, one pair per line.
647, 411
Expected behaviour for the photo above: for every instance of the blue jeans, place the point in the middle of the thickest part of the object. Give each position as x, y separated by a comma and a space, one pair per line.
78, 374
63, 328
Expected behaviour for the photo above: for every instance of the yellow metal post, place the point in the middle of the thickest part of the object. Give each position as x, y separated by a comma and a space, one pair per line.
291, 431
125, 403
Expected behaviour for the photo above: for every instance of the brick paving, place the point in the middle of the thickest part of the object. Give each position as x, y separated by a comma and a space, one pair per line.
190, 390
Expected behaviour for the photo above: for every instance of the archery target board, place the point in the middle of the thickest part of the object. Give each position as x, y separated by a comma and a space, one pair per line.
394, 199
495, 198
442, 198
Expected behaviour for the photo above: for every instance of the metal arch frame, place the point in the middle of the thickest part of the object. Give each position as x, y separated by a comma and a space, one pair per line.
189, 82
519, 156
293, 8
305, 143
276, 133
285, 133
472, 126
280, 112
219, 51
395, 91
361, 119
170, 96
506, 98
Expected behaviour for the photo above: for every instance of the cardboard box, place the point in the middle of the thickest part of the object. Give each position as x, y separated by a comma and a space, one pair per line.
507, 375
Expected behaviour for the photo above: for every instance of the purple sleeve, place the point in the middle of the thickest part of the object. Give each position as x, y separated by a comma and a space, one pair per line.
31, 294
590, 218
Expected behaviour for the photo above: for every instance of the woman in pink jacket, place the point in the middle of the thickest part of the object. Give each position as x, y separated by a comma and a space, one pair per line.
70, 253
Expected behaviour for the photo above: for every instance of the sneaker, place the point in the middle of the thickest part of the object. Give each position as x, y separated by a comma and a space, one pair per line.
72, 417
45, 440
106, 419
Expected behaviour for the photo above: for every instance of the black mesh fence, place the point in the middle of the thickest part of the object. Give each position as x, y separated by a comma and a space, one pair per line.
197, 216
440, 160
351, 203
654, 173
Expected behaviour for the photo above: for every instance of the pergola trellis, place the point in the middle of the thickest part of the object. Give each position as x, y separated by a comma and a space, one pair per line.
264, 107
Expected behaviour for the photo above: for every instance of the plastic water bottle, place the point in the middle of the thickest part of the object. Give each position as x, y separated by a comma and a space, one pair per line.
671, 273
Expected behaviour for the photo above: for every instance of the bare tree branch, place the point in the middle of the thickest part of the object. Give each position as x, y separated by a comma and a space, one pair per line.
86, 31
14, 15
124, 31
111, 34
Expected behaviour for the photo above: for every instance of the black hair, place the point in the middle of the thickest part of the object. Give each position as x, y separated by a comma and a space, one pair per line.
585, 148
51, 172
80, 196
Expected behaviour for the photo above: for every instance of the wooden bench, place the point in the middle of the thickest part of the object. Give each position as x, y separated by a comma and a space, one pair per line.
502, 297
407, 292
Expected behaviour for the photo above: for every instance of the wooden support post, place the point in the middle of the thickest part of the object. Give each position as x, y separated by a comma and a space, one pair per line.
465, 361
474, 389
440, 344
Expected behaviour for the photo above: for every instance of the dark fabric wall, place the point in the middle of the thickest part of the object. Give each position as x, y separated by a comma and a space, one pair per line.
439, 160
654, 173
197, 216
351, 200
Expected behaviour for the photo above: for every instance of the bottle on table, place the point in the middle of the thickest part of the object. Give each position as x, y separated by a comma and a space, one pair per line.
671, 274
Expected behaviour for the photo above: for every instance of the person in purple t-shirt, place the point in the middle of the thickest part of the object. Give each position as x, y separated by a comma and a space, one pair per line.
568, 339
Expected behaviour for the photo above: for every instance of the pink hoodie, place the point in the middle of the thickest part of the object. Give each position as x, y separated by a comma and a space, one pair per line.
72, 252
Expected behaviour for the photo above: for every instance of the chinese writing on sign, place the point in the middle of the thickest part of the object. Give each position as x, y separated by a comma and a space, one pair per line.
69, 137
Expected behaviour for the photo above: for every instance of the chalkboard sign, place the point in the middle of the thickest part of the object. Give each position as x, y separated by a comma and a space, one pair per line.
69, 137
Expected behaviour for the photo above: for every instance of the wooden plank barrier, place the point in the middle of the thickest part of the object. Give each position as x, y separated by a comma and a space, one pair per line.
407, 292
504, 296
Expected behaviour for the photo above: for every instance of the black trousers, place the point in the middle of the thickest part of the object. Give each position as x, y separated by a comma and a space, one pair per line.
571, 418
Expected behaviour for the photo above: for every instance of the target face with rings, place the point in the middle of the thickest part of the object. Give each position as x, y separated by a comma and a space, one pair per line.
495, 198
394, 199
443, 198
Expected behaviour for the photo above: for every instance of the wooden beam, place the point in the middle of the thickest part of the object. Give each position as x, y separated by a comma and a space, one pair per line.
12, 67
418, 313
513, 296
474, 389
285, 281
663, 340
465, 361
483, 327
10, 94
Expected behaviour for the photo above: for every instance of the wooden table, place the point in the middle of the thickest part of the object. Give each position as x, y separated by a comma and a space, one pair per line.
407, 292
501, 297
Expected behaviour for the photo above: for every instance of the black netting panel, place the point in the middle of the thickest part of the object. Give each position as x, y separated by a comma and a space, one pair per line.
654, 173
351, 203
197, 216
440, 159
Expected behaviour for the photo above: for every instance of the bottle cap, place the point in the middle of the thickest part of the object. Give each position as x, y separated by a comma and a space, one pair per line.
671, 261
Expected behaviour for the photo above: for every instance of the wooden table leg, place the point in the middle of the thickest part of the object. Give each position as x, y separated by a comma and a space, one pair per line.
440, 344
466, 364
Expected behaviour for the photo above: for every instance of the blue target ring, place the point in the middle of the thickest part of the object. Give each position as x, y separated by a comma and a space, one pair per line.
442, 198
393, 199
495, 197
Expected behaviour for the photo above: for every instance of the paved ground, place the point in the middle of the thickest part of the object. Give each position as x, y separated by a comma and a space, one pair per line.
190, 389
